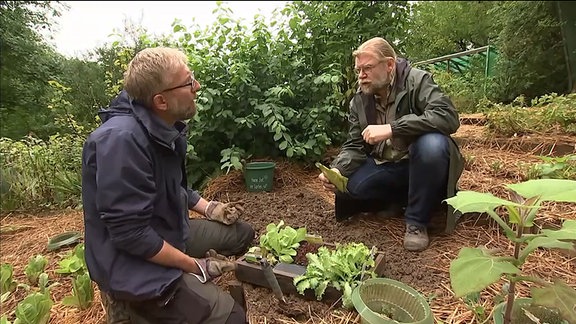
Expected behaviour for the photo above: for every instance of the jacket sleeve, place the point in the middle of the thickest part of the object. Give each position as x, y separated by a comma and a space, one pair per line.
126, 192
438, 112
193, 198
352, 153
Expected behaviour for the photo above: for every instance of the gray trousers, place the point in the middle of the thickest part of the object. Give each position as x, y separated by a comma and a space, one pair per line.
189, 294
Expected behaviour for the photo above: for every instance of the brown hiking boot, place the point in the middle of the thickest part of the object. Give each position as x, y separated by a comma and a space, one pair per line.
415, 238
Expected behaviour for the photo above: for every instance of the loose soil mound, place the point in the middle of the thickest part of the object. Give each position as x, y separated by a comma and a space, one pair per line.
299, 200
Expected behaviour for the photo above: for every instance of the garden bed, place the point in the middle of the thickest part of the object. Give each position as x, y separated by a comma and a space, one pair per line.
285, 273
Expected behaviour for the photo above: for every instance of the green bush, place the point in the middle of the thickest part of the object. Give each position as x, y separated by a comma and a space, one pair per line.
39, 174
548, 114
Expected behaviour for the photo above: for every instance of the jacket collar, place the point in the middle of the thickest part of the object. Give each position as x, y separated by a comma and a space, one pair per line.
158, 129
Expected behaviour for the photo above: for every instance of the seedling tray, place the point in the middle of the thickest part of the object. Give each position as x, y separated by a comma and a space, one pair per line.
285, 274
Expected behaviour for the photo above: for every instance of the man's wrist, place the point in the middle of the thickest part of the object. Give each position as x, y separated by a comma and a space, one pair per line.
200, 273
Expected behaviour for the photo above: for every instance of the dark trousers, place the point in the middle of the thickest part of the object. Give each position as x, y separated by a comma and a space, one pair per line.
419, 182
188, 300
227, 240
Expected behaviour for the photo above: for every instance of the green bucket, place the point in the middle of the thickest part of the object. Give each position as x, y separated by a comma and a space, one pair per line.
259, 176
387, 301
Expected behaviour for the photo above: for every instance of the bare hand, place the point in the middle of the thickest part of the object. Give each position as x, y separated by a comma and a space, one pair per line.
326, 183
374, 134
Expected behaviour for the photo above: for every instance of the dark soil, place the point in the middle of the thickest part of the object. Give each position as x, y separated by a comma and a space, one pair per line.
301, 252
312, 207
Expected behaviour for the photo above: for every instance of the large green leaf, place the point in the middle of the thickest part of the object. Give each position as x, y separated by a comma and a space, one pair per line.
567, 232
546, 242
471, 201
560, 190
475, 269
559, 296
34, 309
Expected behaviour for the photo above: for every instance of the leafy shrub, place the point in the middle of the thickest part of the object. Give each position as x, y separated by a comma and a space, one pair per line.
547, 114
40, 174
466, 89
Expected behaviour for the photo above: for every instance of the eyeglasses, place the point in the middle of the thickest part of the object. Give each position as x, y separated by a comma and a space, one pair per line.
366, 68
190, 84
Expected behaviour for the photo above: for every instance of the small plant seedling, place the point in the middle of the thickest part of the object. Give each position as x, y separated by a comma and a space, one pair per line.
8, 285
342, 268
281, 241
74, 262
487, 268
35, 308
34, 268
82, 292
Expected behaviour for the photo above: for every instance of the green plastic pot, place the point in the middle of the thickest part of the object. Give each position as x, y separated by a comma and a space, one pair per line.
547, 315
387, 301
64, 239
259, 176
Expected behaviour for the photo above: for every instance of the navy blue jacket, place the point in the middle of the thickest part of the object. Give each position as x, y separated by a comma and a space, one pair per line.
135, 196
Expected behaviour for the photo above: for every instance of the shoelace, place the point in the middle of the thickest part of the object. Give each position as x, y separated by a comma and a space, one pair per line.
413, 229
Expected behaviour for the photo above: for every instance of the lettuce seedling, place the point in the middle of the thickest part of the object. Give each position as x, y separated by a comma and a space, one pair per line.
342, 268
74, 262
281, 241
35, 267
486, 268
7, 283
82, 292
34, 309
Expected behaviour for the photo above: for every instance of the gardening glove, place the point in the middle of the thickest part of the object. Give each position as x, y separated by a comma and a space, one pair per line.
332, 179
214, 265
224, 213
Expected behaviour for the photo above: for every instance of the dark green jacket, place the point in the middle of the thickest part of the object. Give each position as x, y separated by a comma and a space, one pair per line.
421, 107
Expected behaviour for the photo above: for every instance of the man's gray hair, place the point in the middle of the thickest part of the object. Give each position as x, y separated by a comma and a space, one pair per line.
377, 46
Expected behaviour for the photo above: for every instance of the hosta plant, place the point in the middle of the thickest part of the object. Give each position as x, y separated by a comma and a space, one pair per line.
487, 268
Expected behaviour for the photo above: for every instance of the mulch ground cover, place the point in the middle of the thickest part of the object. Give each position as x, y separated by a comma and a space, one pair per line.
299, 200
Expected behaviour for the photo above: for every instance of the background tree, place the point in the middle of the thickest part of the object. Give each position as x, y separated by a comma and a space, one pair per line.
530, 43
27, 63
440, 28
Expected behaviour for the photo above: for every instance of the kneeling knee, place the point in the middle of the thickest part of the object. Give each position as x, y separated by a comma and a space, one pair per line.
237, 315
431, 147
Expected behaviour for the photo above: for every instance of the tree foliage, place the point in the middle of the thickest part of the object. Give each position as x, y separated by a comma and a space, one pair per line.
27, 63
531, 61
279, 87
444, 27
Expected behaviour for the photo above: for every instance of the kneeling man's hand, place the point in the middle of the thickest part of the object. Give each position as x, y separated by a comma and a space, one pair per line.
214, 265
227, 213
374, 134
